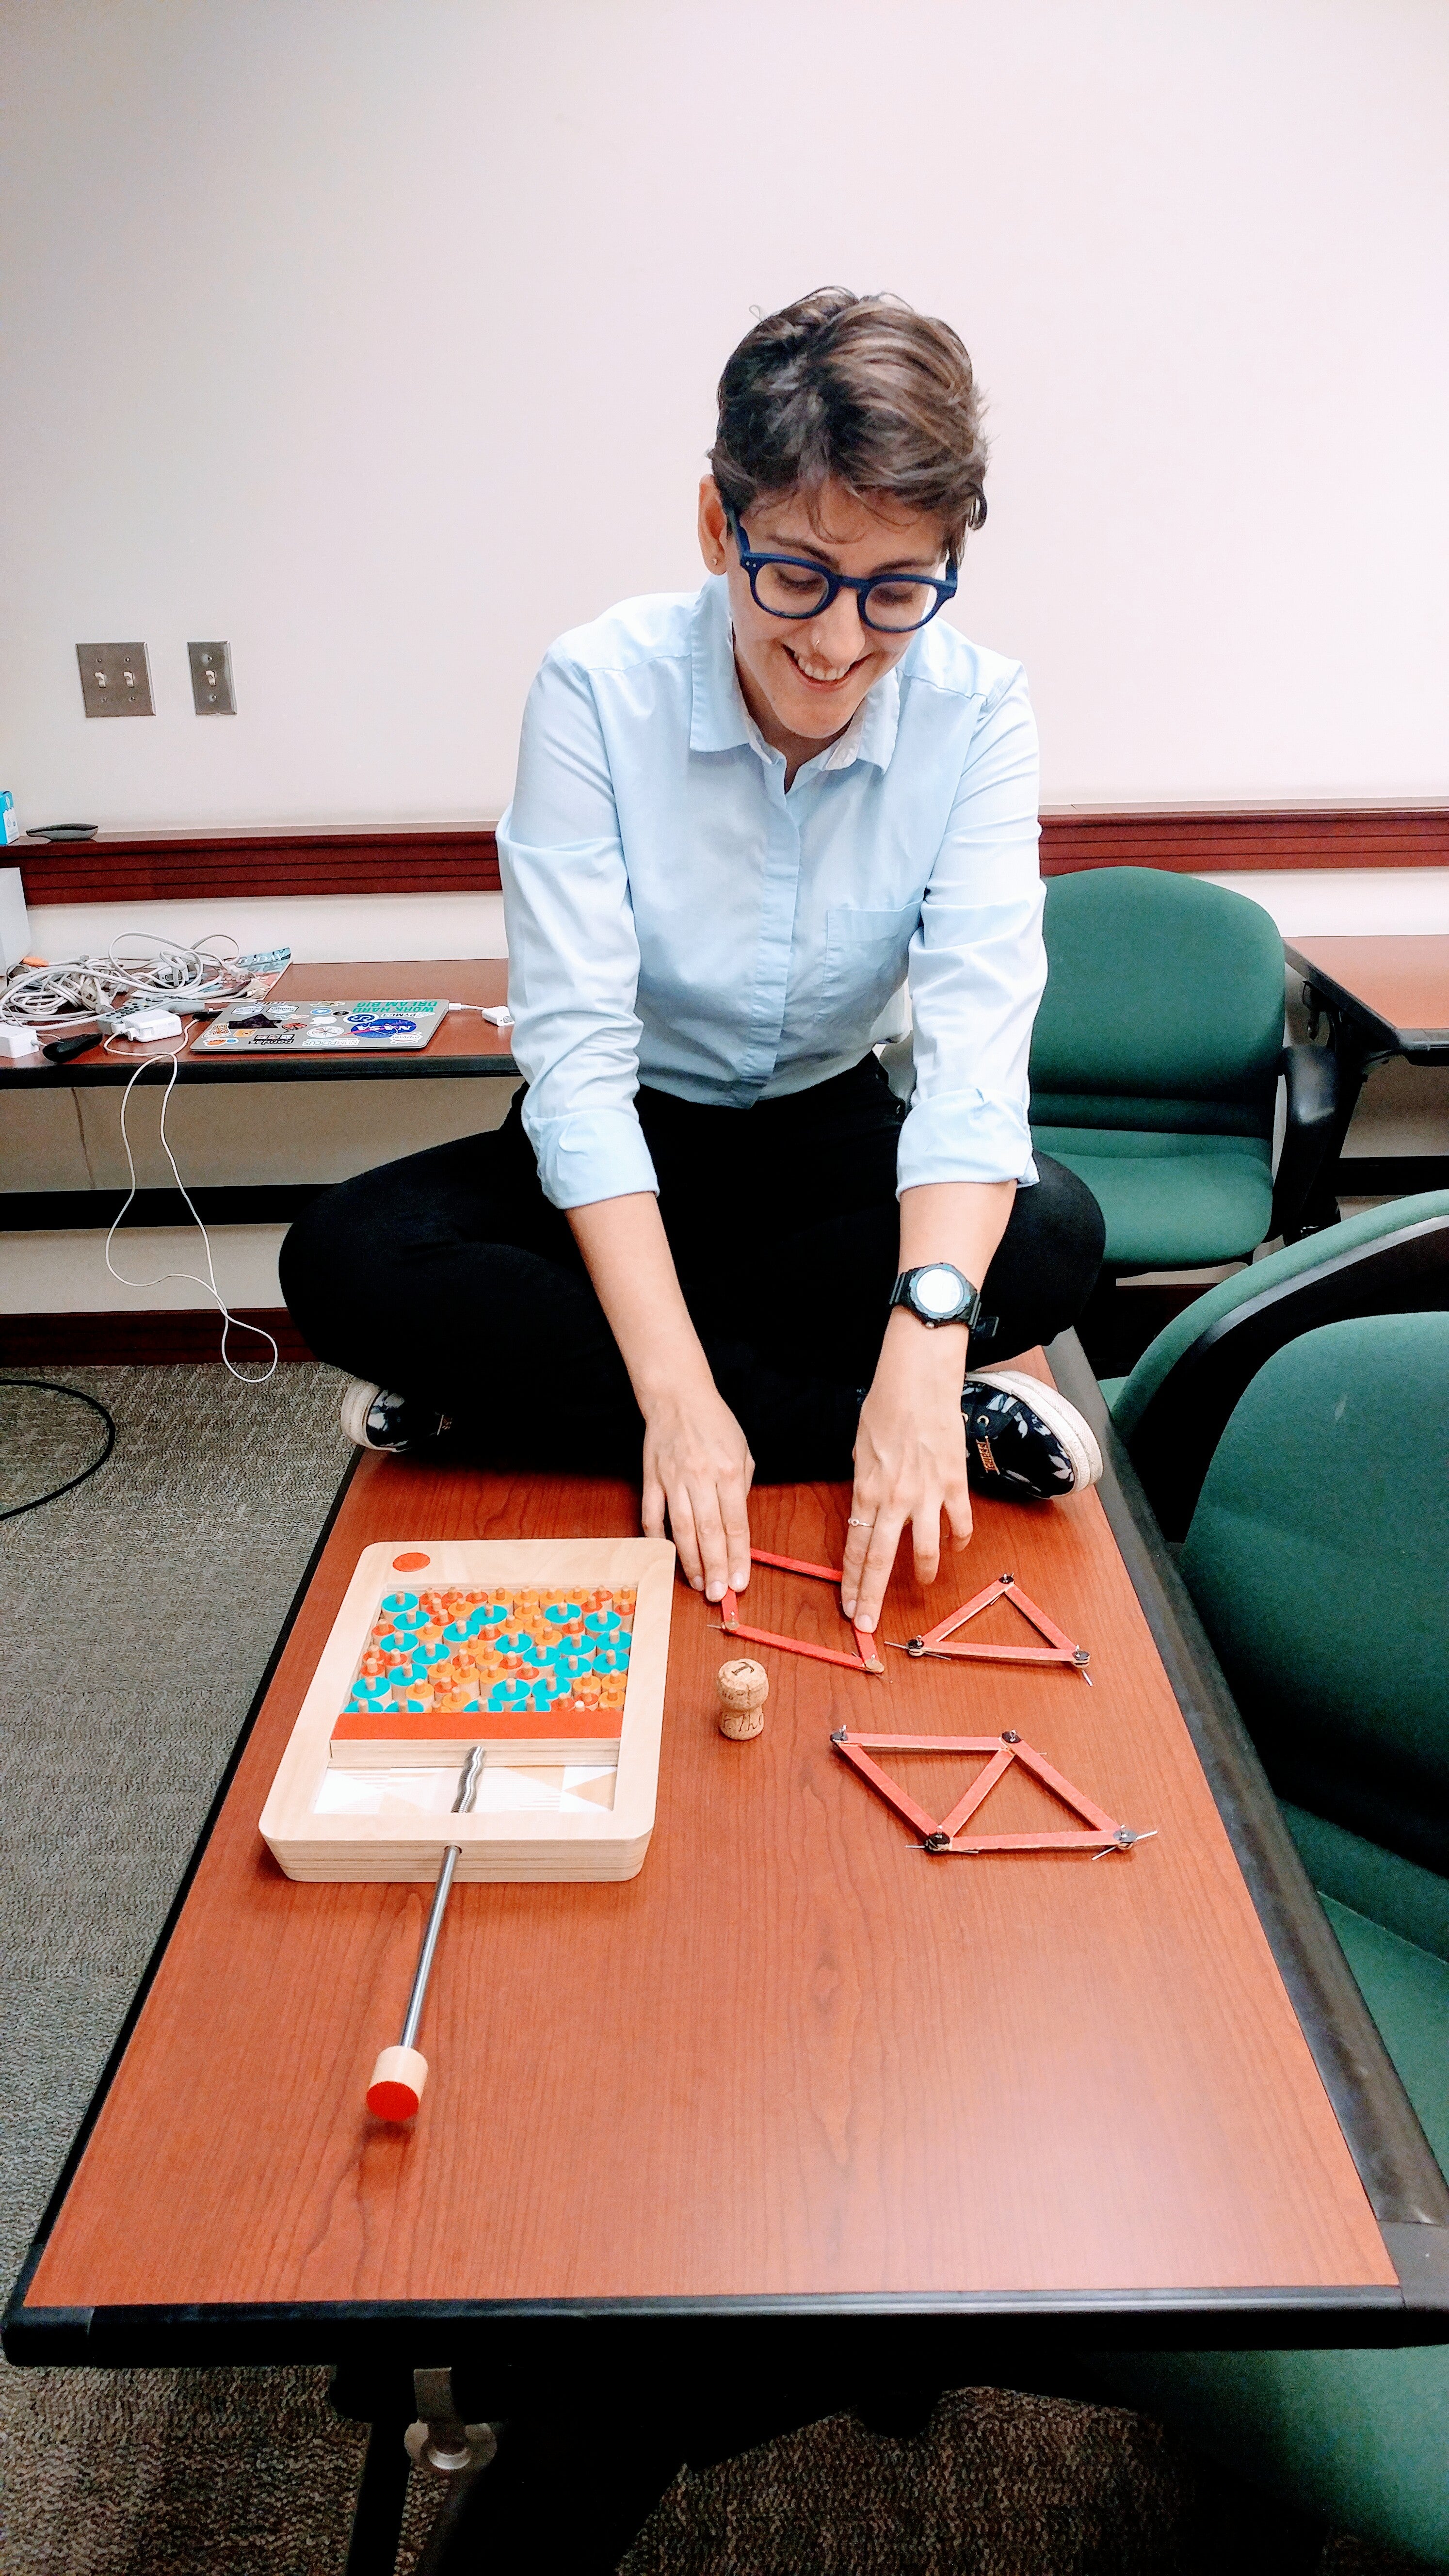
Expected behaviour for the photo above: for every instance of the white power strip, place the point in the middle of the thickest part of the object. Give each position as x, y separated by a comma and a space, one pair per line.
142, 1026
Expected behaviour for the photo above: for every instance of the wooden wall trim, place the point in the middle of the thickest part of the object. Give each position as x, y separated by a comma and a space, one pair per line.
141, 1336
1226, 840
462, 858
156, 867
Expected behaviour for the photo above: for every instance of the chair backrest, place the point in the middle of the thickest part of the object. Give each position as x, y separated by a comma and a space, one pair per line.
1317, 1557
1390, 1260
1163, 1008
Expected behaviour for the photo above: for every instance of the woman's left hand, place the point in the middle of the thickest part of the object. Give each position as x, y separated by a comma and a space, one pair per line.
910, 1463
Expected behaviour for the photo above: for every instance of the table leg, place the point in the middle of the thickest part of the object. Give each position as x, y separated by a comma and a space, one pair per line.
378, 2514
1356, 1060
573, 2490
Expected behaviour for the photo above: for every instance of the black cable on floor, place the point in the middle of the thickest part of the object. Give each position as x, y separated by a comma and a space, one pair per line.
81, 1397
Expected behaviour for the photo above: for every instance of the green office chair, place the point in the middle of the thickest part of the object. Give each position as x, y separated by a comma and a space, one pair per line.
1155, 1063
1172, 1410
1316, 1557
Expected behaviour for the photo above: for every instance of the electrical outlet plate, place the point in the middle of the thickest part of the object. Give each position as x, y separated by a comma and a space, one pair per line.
115, 679
211, 683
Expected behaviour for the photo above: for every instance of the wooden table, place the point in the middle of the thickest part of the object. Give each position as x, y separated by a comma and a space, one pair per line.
800, 2103
1382, 997
463, 1043
1395, 990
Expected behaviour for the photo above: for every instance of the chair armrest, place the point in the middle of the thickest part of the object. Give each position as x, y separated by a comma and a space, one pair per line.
1312, 1076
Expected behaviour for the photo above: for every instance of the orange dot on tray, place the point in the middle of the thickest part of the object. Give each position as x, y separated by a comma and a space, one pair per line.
412, 1563
392, 2101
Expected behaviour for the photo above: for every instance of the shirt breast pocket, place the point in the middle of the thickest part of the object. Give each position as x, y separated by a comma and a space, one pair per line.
865, 963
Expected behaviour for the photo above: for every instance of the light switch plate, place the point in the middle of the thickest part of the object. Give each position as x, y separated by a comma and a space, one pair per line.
115, 679
211, 683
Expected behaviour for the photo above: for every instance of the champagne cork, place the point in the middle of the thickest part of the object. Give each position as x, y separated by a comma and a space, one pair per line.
743, 1688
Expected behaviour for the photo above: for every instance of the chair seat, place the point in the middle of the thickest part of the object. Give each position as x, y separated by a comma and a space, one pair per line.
1360, 2438
1171, 1202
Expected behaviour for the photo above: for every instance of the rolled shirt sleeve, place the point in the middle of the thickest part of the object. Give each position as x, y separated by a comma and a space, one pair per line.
573, 950
977, 964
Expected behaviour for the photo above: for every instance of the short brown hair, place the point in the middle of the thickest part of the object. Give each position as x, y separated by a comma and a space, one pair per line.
859, 389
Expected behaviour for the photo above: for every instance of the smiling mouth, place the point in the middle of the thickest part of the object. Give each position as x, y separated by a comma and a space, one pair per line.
820, 675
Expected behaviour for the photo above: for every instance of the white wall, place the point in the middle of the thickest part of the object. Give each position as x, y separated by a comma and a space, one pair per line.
379, 337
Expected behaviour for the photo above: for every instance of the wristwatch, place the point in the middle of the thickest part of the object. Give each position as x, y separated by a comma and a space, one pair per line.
939, 1293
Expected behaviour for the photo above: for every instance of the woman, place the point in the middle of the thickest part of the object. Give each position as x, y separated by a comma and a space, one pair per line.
708, 1231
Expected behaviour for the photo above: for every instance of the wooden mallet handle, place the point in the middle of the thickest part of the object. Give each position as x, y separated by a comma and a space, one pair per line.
743, 1688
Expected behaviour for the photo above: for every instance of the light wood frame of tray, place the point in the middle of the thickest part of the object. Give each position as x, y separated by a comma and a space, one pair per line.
521, 1843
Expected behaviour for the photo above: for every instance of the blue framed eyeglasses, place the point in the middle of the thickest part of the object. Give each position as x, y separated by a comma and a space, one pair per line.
893, 603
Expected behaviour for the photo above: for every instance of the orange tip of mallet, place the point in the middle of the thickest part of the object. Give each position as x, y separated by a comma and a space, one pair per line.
397, 2084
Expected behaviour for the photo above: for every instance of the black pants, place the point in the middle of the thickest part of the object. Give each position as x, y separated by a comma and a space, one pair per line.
448, 1277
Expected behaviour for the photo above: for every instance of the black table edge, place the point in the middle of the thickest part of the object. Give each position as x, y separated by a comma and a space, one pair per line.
25, 1074
1405, 2188
525, 2331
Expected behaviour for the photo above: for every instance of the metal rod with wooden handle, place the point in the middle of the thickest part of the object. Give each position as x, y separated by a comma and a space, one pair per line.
400, 2073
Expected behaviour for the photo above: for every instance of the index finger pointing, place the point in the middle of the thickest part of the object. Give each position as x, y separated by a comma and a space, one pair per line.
880, 1556
736, 1532
857, 1539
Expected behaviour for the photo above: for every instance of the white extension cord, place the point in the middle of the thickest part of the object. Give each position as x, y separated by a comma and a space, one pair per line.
231, 1322
146, 993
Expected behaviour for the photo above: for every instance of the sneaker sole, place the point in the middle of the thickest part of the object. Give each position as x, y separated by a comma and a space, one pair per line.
1061, 1419
358, 1399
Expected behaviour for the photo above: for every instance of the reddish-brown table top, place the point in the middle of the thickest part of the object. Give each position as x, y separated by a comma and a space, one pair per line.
1403, 983
463, 1042
794, 2056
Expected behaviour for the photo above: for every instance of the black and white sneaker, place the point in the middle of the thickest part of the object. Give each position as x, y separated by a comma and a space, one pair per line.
377, 1420
1025, 1441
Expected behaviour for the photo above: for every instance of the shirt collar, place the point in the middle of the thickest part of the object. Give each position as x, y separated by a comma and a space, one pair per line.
718, 717
719, 720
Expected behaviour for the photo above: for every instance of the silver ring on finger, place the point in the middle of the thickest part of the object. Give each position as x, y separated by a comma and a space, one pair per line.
853, 1523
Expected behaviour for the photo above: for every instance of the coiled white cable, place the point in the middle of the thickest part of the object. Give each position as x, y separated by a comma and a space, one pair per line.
192, 1277
166, 973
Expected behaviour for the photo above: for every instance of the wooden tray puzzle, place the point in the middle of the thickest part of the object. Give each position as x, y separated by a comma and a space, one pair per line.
534, 1662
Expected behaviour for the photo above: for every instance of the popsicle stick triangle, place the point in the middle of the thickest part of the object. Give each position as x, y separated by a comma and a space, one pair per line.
1057, 1647
946, 1835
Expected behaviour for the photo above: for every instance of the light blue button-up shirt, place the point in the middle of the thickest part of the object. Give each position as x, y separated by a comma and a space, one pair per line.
675, 917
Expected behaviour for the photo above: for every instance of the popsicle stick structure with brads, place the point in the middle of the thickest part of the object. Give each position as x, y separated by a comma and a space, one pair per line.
548, 1656
1057, 1647
1096, 1831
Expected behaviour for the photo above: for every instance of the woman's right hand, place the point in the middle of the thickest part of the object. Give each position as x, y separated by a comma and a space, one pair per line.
698, 1470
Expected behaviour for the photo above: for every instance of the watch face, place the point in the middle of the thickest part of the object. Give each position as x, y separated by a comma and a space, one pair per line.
938, 1291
